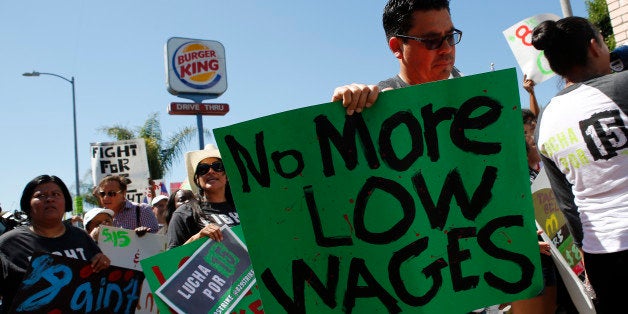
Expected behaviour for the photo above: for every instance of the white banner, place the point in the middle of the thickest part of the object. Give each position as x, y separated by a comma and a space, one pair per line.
531, 61
126, 249
124, 158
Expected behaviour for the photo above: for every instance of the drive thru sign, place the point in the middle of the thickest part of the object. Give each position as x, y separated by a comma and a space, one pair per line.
196, 70
180, 108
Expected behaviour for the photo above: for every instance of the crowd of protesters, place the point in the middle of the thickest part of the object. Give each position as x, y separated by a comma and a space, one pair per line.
422, 36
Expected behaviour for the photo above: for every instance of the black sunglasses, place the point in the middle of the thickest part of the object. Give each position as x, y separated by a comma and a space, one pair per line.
203, 168
435, 43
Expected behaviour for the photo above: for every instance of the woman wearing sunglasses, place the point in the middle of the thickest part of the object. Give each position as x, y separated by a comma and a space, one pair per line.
111, 194
213, 208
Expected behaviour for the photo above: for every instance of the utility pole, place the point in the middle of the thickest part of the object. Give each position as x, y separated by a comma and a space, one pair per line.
566, 7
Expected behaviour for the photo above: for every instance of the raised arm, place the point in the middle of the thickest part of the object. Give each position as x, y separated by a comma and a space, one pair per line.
528, 85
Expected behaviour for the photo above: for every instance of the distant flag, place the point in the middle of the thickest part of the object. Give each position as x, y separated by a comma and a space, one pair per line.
160, 189
163, 189
175, 185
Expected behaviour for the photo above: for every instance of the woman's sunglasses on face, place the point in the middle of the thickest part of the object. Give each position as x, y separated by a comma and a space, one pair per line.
204, 168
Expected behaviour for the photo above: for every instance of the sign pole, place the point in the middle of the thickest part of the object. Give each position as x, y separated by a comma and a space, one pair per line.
199, 126
198, 109
198, 98
196, 70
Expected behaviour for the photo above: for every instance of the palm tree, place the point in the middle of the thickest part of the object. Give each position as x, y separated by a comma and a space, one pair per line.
161, 154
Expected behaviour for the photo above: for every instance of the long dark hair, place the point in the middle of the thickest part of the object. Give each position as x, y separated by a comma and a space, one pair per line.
29, 190
565, 42
171, 206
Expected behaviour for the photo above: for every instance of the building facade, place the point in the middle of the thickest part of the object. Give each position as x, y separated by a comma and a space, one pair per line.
618, 11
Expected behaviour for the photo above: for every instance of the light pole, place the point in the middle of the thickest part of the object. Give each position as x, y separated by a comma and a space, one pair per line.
565, 5
71, 81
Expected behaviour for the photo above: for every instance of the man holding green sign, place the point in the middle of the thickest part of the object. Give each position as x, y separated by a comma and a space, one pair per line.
357, 213
349, 213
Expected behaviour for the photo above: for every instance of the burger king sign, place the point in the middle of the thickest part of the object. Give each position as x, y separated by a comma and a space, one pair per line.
195, 66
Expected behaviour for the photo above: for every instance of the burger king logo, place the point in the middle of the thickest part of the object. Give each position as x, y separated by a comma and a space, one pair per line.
196, 65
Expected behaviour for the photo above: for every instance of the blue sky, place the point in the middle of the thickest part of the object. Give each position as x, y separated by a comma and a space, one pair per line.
280, 55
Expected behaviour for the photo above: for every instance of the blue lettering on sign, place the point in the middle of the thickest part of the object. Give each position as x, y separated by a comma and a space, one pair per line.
82, 298
132, 294
118, 295
58, 276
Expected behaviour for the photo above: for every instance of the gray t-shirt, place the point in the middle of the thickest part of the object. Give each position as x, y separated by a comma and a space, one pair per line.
396, 82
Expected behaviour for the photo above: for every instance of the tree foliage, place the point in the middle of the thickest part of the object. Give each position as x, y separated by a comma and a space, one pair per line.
599, 16
86, 189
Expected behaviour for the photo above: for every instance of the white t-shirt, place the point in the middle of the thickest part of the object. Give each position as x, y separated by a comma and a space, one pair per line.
583, 139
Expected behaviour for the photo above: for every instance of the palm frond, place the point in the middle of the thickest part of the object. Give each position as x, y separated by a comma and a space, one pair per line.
155, 165
161, 156
118, 132
151, 128
175, 145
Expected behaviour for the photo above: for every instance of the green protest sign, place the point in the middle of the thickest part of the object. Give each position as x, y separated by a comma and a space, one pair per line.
420, 204
213, 280
159, 268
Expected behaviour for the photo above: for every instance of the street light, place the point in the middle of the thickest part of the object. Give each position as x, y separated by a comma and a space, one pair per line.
565, 5
71, 81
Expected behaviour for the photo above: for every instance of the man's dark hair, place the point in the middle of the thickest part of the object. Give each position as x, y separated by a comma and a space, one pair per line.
29, 190
398, 14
